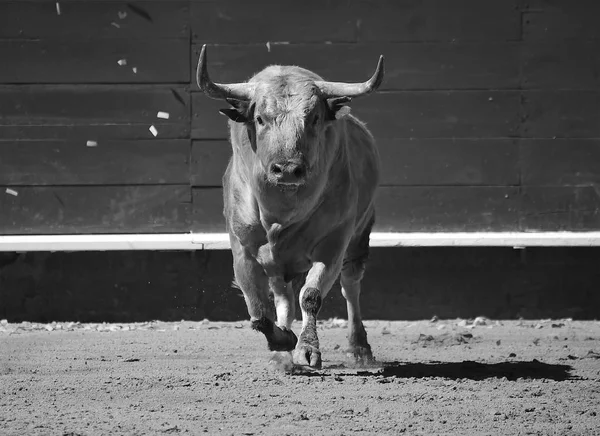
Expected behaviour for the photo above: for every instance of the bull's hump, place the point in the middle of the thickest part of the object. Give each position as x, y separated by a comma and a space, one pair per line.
287, 73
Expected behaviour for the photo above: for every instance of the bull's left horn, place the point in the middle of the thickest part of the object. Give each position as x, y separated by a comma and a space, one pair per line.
238, 91
340, 89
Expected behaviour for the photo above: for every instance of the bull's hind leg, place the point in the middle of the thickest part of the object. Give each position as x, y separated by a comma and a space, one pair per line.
352, 273
253, 282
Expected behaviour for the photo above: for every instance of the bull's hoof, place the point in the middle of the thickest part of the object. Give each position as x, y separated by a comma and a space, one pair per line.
307, 355
282, 339
361, 356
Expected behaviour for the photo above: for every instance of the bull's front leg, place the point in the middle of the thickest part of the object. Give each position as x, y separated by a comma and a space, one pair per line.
254, 283
319, 280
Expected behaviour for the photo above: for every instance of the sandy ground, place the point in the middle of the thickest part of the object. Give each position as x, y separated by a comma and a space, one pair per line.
432, 377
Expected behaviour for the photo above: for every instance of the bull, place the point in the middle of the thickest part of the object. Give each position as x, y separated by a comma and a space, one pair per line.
298, 200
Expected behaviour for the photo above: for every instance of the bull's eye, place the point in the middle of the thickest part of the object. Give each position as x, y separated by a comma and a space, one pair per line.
259, 120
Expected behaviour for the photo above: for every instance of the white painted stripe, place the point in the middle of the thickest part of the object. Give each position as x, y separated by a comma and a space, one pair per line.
219, 241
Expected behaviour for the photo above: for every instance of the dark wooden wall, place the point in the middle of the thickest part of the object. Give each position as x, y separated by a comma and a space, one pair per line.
489, 118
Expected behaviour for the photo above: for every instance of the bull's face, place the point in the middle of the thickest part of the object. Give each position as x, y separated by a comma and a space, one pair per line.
288, 113
288, 125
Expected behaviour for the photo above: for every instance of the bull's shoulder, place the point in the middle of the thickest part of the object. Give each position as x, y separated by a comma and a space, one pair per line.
241, 209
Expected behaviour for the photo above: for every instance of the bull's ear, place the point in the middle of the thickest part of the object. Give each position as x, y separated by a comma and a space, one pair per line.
238, 112
338, 107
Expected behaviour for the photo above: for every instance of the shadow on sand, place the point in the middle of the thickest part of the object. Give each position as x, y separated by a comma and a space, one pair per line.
452, 370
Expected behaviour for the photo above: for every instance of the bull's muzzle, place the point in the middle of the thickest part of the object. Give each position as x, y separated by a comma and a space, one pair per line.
290, 172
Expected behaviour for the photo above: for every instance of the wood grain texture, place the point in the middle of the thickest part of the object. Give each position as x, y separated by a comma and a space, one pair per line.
407, 66
440, 114
207, 122
438, 20
92, 112
570, 64
84, 20
208, 210
95, 61
238, 21
561, 19
35, 163
447, 209
69, 210
568, 114
560, 162
209, 161
560, 208
436, 162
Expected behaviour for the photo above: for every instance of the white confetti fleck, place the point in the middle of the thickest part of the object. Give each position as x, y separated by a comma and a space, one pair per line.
115, 25
11, 192
153, 130
163, 115
122, 62
91, 144
134, 69
122, 15
268, 46
58, 8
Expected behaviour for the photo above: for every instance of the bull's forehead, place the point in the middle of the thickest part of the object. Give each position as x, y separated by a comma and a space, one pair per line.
286, 96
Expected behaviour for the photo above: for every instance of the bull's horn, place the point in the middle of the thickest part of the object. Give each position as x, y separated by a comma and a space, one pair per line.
238, 91
340, 89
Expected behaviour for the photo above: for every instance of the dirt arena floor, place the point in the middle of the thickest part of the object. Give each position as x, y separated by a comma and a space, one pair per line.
466, 377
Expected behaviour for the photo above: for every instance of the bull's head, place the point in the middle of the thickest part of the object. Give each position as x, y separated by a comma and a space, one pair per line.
288, 113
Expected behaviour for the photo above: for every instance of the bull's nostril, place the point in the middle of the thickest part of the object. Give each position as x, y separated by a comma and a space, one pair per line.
298, 172
276, 169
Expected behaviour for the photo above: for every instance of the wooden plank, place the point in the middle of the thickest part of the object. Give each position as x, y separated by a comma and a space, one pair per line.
560, 208
469, 162
97, 209
97, 132
425, 114
209, 161
560, 162
92, 112
143, 162
83, 20
441, 114
238, 21
95, 61
562, 64
552, 19
446, 208
438, 20
207, 122
208, 210
567, 114
407, 66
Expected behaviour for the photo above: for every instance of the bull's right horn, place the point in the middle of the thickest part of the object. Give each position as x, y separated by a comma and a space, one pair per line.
353, 90
238, 91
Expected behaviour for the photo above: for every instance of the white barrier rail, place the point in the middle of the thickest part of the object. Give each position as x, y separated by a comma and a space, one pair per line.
219, 241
